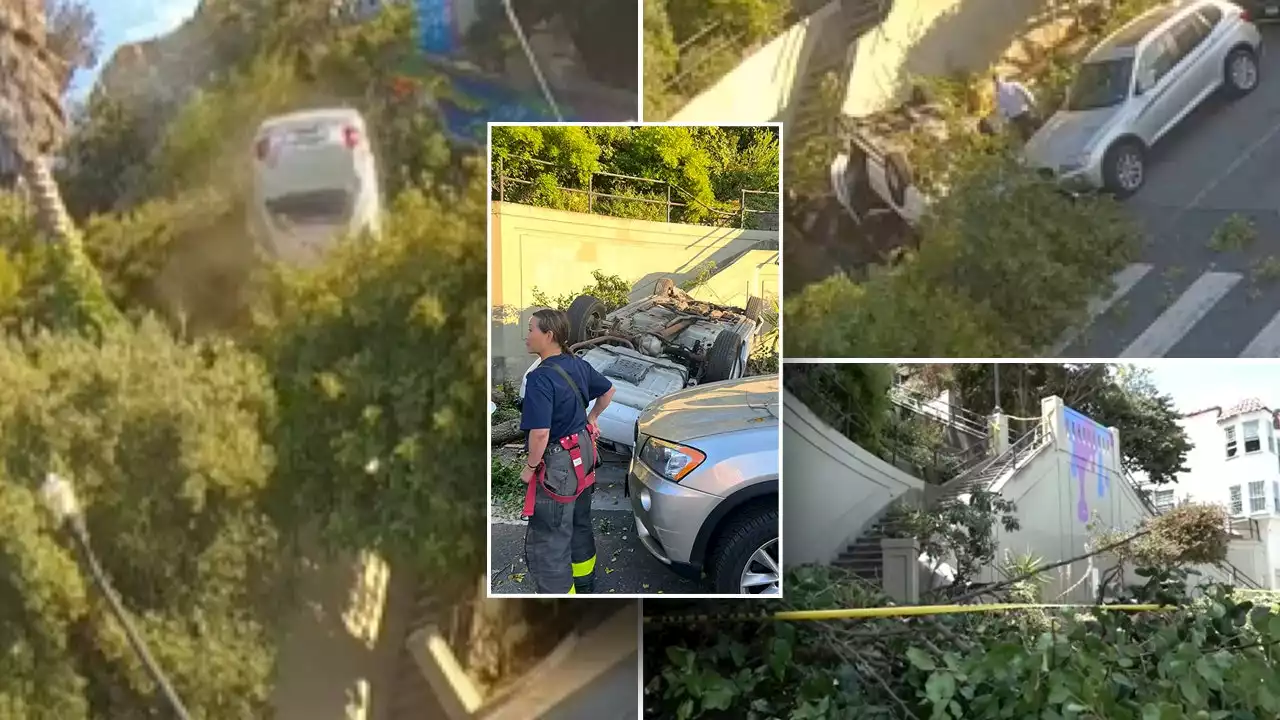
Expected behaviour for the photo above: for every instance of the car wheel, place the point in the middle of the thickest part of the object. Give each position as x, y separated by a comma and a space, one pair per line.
745, 561
724, 360
1240, 72
755, 307
663, 287
1124, 168
586, 318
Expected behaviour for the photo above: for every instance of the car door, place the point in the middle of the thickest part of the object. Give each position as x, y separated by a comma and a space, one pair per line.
1199, 69
1157, 87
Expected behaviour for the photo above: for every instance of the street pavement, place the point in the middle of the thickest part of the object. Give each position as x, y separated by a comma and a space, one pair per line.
623, 566
1184, 298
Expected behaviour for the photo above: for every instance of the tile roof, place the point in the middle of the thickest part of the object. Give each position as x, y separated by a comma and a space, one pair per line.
1244, 406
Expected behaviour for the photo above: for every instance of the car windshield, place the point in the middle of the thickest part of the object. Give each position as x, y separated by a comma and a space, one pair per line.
1100, 84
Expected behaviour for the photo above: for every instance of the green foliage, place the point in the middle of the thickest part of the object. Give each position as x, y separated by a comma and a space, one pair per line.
850, 397
378, 362
1237, 232
695, 43
1215, 657
705, 169
508, 488
611, 290
963, 531
171, 495
1005, 265
1152, 438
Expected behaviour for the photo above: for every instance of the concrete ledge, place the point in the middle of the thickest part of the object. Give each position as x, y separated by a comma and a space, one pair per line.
459, 697
579, 660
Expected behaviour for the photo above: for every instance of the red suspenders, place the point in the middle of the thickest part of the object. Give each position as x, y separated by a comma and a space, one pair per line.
586, 477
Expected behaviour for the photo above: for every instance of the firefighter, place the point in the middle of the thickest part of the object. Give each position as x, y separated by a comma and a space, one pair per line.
559, 545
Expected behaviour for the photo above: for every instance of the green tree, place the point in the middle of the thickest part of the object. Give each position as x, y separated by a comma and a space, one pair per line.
171, 496
379, 366
1119, 396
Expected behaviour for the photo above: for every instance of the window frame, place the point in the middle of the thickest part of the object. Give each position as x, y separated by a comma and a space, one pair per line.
1258, 502
1232, 443
1244, 436
1235, 500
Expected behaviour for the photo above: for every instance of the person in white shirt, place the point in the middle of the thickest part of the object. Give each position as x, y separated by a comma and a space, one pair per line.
1016, 106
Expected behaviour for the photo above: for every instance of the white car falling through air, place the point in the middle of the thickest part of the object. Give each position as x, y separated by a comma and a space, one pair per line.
315, 181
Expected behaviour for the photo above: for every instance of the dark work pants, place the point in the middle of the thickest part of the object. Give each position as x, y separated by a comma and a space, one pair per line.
554, 539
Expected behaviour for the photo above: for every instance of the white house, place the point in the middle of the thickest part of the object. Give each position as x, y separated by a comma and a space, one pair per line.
1234, 461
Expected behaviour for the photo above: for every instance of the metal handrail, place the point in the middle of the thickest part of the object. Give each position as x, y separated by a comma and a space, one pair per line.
725, 217
799, 379
959, 417
1027, 444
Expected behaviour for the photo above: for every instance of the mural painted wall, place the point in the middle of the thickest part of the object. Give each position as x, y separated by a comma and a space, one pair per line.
1090, 447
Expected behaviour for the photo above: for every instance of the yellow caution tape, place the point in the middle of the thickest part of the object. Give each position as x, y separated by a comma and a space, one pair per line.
894, 611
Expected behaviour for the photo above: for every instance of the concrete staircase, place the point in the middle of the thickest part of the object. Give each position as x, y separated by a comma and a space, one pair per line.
864, 556
810, 112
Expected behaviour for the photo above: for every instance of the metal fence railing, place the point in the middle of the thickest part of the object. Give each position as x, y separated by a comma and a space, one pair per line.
907, 443
639, 198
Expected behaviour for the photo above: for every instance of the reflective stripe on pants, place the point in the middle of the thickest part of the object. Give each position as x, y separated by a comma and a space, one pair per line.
552, 529
583, 545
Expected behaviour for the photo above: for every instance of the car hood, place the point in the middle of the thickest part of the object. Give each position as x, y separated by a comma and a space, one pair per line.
713, 409
1066, 136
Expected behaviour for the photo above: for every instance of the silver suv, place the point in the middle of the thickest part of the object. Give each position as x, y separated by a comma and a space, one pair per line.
1137, 84
704, 484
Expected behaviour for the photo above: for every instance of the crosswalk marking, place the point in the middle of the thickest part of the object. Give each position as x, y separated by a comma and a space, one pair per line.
1266, 344
1124, 280
1189, 309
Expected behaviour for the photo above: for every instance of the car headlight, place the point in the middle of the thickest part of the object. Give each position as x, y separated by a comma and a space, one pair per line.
670, 460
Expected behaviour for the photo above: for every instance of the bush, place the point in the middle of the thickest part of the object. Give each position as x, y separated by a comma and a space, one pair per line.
379, 365
1212, 658
162, 444
1005, 265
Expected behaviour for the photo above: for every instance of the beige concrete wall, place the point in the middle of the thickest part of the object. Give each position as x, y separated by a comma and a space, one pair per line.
919, 37
760, 88
555, 251
833, 488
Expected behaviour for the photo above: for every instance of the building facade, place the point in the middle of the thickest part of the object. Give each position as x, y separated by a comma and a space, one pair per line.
1234, 461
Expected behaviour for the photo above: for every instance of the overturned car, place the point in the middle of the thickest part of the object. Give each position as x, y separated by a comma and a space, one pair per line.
656, 346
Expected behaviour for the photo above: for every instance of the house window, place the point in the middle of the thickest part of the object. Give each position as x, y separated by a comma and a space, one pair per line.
1257, 496
1252, 443
1163, 500
1237, 505
1271, 439
1276, 494
1231, 440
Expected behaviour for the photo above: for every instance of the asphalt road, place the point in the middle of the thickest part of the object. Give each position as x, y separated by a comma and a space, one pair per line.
622, 563
1185, 298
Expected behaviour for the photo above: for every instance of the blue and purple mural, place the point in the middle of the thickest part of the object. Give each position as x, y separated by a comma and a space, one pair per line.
1090, 446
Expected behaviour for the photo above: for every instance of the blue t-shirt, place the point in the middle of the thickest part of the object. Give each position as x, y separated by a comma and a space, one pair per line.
550, 402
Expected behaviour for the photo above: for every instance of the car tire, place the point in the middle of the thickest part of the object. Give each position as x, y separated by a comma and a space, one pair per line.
755, 307
742, 536
1240, 72
1124, 153
663, 287
586, 318
897, 176
724, 356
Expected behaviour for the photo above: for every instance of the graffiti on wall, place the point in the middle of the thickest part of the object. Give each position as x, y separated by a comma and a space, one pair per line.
1090, 446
